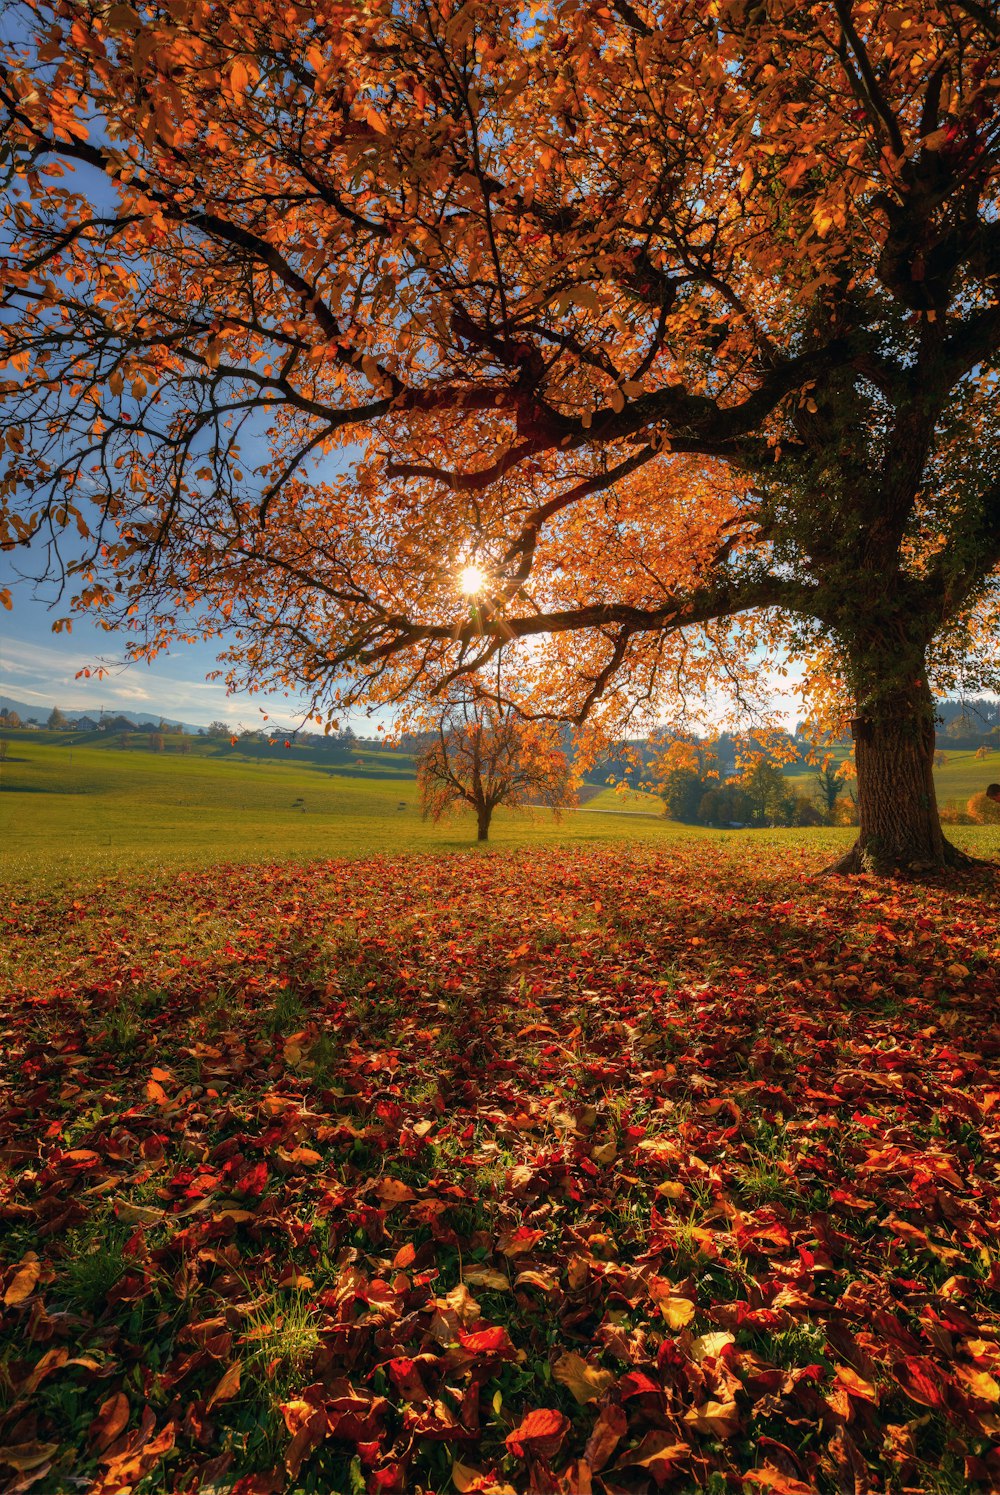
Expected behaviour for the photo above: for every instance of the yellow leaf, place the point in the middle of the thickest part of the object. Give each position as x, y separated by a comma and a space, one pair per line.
606, 1153
720, 1418
586, 1382
981, 1384
24, 1280
706, 1345
746, 180
488, 1277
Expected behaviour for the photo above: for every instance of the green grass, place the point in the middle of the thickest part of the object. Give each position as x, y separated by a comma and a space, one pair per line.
75, 814
80, 813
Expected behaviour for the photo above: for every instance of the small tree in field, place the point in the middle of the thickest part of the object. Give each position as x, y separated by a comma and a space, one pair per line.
484, 756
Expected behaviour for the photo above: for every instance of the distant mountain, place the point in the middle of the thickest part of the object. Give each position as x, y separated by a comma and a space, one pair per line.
26, 709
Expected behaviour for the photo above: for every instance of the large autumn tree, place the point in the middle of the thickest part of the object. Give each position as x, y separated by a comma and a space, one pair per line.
680, 320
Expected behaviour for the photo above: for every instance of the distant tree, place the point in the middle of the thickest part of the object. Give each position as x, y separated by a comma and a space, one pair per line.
219, 729
56, 721
682, 791
10, 719
483, 756
940, 759
983, 810
829, 786
156, 742
845, 811
805, 812
770, 797
725, 804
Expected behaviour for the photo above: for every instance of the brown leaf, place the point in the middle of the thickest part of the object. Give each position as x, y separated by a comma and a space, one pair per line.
772, 1479
660, 1453
393, 1191
488, 1277
921, 1380
26, 1456
720, 1418
606, 1434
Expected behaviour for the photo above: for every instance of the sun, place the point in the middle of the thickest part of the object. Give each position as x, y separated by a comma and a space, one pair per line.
472, 579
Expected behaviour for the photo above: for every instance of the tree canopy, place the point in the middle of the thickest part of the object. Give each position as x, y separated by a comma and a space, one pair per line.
677, 320
481, 756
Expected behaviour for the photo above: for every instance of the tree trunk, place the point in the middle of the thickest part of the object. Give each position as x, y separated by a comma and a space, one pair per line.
899, 829
483, 818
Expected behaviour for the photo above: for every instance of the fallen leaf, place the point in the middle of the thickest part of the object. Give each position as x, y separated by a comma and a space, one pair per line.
111, 1421
587, 1383
226, 1387
720, 1418
24, 1280
542, 1432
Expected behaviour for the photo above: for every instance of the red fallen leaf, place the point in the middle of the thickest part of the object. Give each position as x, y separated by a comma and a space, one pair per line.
110, 1422
405, 1376
489, 1341
541, 1433
637, 1384
922, 1381
516, 1242
606, 1434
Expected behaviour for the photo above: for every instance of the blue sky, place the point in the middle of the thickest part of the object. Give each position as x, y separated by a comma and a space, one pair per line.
38, 666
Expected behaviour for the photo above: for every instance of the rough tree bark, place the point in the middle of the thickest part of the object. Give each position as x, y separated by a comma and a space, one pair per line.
899, 827
483, 817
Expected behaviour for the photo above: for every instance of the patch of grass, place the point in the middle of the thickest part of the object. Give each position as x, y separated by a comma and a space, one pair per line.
94, 1262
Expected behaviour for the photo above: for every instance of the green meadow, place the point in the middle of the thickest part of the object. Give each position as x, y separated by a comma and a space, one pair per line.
73, 812
80, 813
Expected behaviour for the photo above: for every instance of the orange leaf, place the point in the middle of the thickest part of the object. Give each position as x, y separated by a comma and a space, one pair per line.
226, 1387
111, 1420
393, 1191
24, 1280
540, 1433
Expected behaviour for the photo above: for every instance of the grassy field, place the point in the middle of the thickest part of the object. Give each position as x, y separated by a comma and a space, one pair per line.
70, 812
961, 775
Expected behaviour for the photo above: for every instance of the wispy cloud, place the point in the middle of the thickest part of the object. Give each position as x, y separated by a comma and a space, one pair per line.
47, 674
